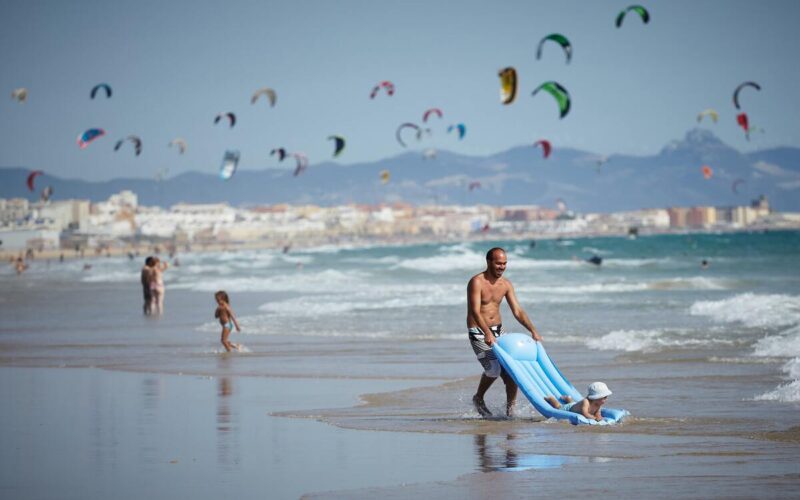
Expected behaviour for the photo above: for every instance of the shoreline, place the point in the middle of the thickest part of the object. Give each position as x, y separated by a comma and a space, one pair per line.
148, 248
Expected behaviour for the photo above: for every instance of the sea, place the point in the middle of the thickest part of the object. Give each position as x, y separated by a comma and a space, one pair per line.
697, 335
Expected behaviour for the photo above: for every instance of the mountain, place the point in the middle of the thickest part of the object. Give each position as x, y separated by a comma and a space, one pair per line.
584, 180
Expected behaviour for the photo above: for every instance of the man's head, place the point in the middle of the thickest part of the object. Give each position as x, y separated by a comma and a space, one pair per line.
496, 261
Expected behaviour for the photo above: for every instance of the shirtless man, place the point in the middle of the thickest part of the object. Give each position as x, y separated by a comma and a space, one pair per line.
485, 292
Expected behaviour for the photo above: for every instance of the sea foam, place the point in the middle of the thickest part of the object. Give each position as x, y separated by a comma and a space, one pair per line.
752, 310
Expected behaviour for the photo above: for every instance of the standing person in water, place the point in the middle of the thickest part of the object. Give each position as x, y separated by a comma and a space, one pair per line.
485, 292
157, 285
227, 319
147, 278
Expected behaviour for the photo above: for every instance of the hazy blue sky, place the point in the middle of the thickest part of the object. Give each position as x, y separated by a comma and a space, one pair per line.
174, 65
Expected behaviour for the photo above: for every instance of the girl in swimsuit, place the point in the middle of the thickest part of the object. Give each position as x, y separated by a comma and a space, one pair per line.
227, 319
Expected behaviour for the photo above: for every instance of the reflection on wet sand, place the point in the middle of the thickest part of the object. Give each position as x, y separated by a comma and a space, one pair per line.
228, 456
496, 453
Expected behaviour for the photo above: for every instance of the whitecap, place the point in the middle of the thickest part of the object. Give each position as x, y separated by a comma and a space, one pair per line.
785, 393
752, 310
653, 340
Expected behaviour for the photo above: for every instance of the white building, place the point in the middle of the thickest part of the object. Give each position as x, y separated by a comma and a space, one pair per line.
21, 239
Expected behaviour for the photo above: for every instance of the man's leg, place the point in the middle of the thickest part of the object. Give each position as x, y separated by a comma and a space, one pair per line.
511, 392
477, 399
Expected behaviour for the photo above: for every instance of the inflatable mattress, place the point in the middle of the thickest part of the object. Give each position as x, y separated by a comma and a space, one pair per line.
537, 377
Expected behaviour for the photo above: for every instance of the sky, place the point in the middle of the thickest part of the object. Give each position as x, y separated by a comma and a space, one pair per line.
175, 65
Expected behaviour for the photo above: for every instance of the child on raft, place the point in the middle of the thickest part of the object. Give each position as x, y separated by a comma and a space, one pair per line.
589, 406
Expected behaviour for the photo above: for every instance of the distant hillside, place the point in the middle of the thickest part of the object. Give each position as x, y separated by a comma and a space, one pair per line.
518, 176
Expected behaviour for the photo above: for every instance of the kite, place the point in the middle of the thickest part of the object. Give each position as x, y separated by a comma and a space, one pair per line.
31, 177
339, 140
20, 94
181, 143
707, 171
708, 112
384, 176
460, 127
386, 84
743, 122
431, 111
559, 93
90, 136
739, 88
137, 143
508, 85
546, 147
399, 136
99, 86
736, 183
230, 116
271, 95
636, 8
429, 154
474, 185
559, 39
302, 163
280, 152
229, 163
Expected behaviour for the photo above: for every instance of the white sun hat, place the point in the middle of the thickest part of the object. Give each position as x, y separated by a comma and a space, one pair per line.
598, 390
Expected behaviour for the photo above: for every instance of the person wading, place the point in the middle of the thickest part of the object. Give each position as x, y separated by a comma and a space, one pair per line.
485, 292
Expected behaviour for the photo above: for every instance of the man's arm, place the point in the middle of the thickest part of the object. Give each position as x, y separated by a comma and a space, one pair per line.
474, 309
520, 313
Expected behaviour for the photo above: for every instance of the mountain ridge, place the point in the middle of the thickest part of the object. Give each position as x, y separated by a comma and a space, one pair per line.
517, 176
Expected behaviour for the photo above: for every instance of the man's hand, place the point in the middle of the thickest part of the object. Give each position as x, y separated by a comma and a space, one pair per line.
536, 336
489, 338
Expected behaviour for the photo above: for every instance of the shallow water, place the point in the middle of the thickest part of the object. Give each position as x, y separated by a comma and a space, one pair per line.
706, 360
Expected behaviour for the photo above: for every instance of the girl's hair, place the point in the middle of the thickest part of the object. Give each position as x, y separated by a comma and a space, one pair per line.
222, 295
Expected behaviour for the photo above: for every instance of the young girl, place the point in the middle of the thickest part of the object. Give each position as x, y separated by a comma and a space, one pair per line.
226, 318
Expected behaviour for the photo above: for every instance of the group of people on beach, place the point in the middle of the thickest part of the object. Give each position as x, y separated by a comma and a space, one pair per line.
153, 285
152, 278
485, 293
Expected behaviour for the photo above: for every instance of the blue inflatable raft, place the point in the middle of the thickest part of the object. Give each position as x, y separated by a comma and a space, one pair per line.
531, 368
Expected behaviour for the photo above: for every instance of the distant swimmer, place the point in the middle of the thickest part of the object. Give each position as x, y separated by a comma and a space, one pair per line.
704, 264
227, 319
87, 267
595, 259
532, 244
485, 292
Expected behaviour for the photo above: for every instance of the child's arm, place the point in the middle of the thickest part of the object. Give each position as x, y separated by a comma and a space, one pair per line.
585, 410
233, 317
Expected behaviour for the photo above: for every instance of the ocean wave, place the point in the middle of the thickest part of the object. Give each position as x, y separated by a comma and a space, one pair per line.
784, 393
99, 276
312, 283
369, 299
653, 340
752, 310
693, 283
784, 344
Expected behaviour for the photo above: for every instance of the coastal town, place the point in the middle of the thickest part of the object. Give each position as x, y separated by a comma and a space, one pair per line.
120, 225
